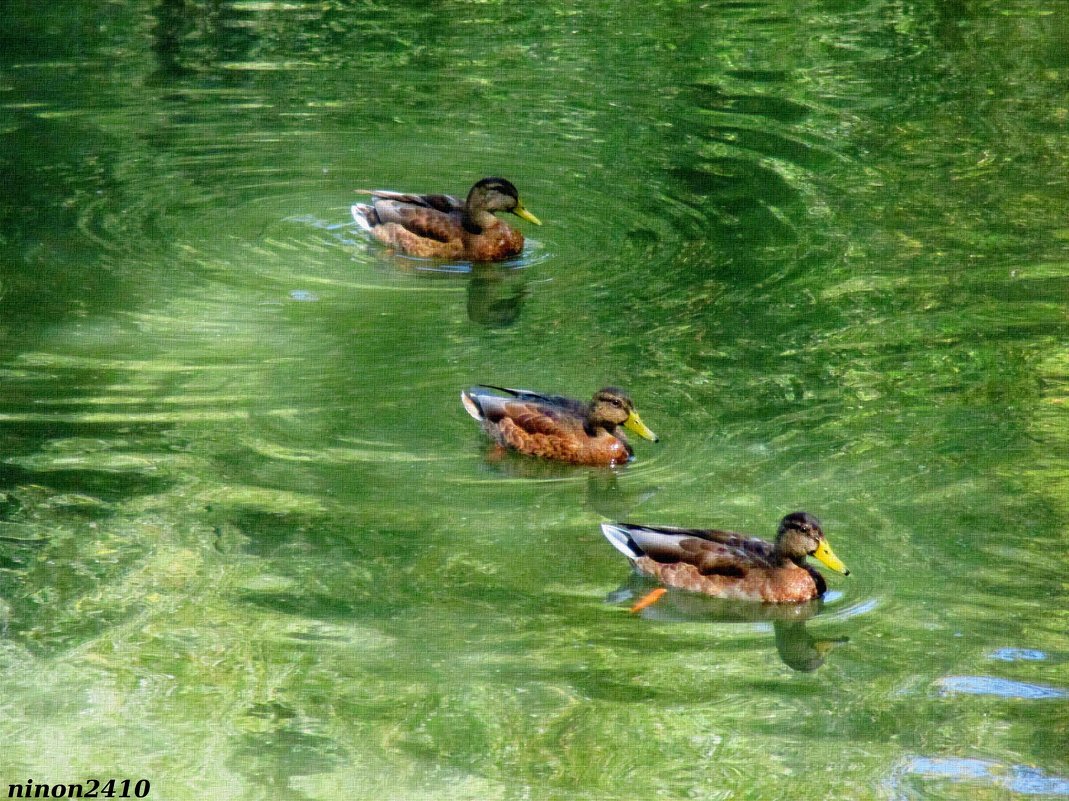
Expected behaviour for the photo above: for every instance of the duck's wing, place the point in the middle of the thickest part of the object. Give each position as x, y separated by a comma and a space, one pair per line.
530, 411
709, 550
560, 401
423, 221
442, 203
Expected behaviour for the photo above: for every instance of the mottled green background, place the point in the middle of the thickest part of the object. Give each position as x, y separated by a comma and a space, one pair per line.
250, 544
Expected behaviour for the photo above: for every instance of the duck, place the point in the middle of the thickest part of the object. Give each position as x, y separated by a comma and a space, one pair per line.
557, 427
725, 564
444, 226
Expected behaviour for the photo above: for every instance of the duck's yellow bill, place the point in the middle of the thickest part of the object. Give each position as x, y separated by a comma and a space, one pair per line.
520, 211
634, 424
825, 554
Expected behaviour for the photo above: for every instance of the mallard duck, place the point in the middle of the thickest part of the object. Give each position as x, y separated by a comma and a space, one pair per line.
445, 227
729, 565
555, 427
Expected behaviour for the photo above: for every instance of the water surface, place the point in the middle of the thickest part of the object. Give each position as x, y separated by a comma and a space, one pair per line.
251, 546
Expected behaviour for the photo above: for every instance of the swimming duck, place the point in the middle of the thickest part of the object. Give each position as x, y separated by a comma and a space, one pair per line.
446, 227
555, 427
729, 565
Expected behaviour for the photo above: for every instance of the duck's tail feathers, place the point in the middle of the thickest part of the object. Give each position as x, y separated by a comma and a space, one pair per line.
363, 215
621, 540
472, 405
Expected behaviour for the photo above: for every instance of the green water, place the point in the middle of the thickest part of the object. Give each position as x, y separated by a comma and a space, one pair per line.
252, 547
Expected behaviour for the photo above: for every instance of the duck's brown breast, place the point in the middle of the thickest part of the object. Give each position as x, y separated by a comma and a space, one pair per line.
494, 243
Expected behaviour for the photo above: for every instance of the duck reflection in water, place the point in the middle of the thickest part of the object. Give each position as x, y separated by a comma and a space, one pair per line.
495, 294
605, 494
797, 648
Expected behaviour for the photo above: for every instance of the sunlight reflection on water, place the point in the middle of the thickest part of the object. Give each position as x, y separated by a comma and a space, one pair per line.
1015, 778
1004, 688
1019, 654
